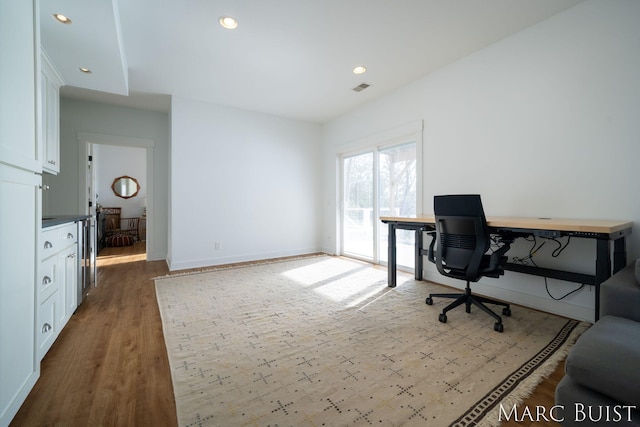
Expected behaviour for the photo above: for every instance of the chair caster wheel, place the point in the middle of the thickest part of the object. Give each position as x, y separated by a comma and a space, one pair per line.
498, 327
429, 301
506, 311
442, 318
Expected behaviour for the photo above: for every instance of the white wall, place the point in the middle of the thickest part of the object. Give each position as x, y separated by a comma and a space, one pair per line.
542, 124
114, 161
247, 181
123, 124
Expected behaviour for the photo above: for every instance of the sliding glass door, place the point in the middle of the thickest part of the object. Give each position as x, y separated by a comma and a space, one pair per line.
358, 205
378, 182
397, 197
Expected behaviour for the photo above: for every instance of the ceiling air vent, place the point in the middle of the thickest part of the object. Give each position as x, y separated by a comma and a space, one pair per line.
360, 87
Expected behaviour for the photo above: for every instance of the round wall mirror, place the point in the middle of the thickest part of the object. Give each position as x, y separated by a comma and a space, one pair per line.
125, 187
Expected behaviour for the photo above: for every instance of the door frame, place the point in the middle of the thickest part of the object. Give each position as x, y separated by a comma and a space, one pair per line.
87, 138
376, 144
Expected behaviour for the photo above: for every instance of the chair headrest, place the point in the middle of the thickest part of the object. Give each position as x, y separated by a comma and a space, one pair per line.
458, 205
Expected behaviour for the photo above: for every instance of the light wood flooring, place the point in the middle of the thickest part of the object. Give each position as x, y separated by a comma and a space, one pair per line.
109, 365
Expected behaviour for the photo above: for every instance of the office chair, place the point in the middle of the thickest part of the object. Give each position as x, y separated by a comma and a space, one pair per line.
463, 239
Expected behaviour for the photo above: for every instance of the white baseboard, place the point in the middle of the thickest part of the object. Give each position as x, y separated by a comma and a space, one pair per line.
156, 256
211, 262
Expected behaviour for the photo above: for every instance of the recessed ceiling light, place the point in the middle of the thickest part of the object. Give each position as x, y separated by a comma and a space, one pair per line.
85, 70
228, 22
359, 69
61, 18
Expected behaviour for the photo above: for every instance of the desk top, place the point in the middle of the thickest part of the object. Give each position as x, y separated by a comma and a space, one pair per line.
559, 224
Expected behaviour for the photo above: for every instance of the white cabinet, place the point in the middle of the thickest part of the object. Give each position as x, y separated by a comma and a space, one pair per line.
69, 301
19, 145
46, 332
19, 229
20, 160
57, 283
50, 114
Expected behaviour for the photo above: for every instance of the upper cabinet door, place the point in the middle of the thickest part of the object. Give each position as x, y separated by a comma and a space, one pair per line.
50, 113
19, 57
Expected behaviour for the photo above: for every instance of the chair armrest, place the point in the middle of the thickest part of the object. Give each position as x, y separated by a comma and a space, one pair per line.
620, 294
431, 256
498, 258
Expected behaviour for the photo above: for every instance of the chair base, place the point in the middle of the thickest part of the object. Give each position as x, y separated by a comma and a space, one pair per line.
468, 299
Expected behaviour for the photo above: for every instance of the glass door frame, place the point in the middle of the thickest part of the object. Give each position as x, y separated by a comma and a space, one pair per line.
413, 138
375, 206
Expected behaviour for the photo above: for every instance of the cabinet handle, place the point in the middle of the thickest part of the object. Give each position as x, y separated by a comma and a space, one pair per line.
44, 187
69, 236
46, 280
72, 255
52, 162
46, 328
48, 245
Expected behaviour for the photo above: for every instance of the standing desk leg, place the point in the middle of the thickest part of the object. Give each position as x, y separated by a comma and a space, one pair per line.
418, 258
603, 269
391, 253
619, 254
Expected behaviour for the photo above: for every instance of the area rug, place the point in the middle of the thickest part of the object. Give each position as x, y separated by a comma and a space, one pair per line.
322, 341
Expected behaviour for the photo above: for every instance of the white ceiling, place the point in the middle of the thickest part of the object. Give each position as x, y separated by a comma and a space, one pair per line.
290, 58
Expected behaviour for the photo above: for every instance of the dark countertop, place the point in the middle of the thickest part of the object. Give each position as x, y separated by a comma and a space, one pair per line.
51, 220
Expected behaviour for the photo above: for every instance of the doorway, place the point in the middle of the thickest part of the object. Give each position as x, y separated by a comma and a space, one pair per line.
90, 183
382, 181
108, 165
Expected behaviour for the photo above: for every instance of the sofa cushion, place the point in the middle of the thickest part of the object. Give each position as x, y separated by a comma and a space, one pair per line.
574, 401
606, 358
620, 294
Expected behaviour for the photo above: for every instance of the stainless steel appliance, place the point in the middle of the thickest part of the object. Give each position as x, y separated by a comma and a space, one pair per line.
87, 264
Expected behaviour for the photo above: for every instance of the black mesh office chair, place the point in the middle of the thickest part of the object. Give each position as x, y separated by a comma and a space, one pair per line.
463, 240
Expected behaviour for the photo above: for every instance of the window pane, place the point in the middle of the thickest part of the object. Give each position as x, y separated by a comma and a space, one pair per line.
398, 198
358, 205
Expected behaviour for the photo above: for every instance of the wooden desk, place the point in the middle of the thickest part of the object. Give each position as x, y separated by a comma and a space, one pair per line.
603, 231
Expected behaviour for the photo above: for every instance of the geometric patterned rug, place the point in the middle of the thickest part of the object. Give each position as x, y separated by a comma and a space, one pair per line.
322, 341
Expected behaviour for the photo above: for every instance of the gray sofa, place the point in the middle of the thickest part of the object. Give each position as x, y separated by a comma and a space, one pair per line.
601, 385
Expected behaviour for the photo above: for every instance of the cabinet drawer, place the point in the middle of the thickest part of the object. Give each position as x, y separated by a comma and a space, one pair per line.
68, 235
45, 327
48, 278
55, 239
50, 244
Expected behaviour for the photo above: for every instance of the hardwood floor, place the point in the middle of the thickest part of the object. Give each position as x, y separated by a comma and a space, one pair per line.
544, 395
109, 365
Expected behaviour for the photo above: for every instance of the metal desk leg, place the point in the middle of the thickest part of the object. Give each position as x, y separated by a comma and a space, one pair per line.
619, 254
391, 260
418, 258
603, 269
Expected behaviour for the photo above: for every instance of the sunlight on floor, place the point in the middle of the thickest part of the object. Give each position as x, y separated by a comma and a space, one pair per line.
320, 271
123, 255
348, 281
120, 259
357, 284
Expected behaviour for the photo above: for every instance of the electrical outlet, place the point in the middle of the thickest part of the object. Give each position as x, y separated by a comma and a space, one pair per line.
217, 246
